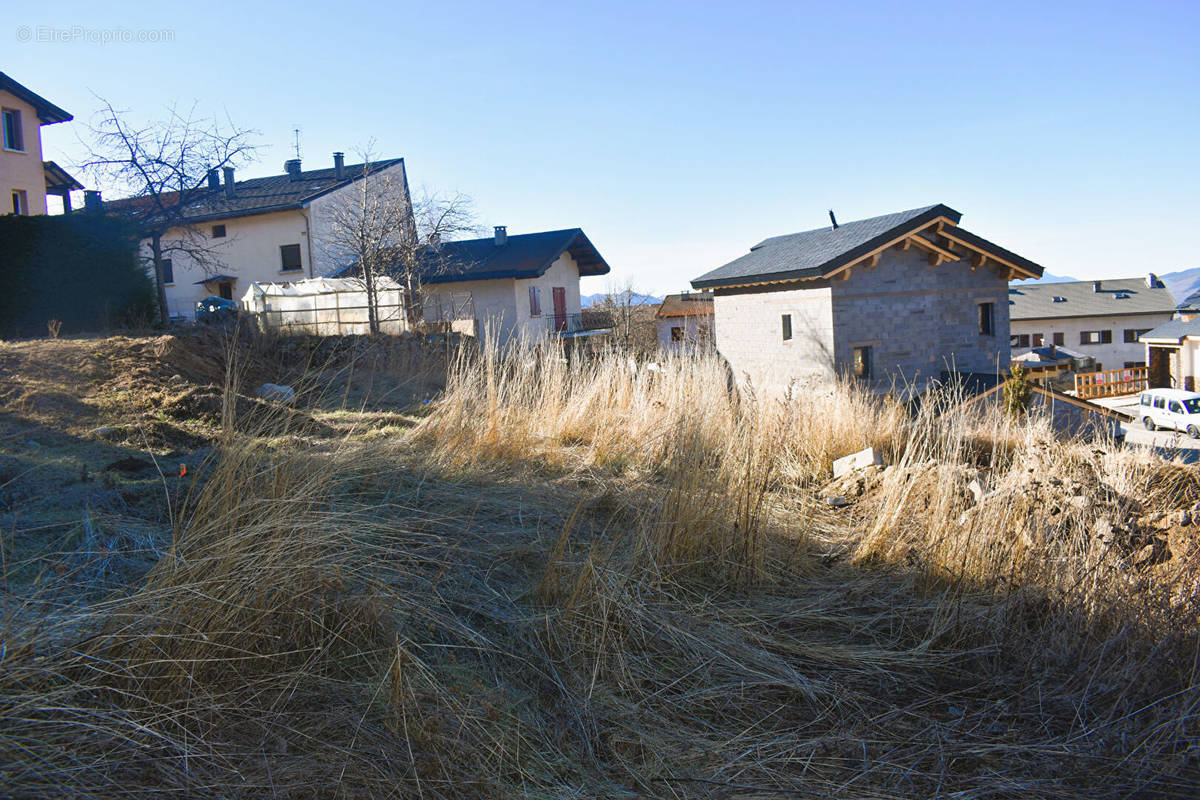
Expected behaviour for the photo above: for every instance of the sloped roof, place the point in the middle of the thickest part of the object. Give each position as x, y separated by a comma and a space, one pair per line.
1175, 330
1118, 297
525, 255
261, 195
1190, 303
58, 178
686, 304
819, 253
47, 112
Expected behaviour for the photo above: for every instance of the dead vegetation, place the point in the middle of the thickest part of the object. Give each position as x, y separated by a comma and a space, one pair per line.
583, 577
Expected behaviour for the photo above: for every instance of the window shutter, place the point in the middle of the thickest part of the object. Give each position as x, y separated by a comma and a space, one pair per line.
535, 302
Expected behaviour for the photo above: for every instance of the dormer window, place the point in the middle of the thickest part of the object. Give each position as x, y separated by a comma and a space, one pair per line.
14, 136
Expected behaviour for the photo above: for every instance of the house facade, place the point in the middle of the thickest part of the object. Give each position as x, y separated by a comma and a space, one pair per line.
683, 322
262, 230
1101, 319
24, 177
892, 301
511, 288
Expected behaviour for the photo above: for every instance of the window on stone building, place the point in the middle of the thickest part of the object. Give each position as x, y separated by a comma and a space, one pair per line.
1133, 334
218, 232
1060, 339
1020, 340
167, 270
862, 363
1038, 339
676, 333
987, 319
787, 327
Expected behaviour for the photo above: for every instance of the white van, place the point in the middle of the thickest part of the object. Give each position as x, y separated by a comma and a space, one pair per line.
1171, 409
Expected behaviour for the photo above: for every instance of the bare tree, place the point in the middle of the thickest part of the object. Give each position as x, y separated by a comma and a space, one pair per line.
631, 315
368, 223
382, 232
162, 167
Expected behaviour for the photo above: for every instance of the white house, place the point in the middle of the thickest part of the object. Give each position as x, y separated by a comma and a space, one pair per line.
1101, 319
684, 322
892, 301
512, 287
264, 230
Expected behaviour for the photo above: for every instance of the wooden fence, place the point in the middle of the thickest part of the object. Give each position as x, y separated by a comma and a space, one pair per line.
1112, 382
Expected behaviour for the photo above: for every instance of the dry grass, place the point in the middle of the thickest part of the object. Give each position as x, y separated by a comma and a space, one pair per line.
581, 577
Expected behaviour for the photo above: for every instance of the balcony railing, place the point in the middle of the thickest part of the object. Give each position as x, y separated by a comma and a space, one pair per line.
574, 324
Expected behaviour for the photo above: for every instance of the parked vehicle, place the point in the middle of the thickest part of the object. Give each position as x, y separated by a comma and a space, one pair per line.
1170, 409
215, 309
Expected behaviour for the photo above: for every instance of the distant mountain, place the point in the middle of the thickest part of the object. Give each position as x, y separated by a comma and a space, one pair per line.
589, 300
1048, 278
1182, 284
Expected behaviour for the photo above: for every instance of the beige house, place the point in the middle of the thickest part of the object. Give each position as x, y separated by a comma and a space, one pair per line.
684, 322
894, 302
24, 177
522, 287
275, 229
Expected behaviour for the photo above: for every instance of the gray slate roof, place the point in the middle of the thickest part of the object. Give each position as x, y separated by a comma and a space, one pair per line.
810, 254
1174, 330
1080, 299
523, 255
262, 195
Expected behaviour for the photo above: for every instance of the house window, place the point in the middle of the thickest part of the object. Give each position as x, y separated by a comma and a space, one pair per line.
1095, 337
218, 232
676, 333
535, 301
225, 290
167, 270
1060, 339
1134, 364
289, 255
987, 319
1133, 334
20, 202
14, 137
1019, 340
787, 327
862, 363
1039, 340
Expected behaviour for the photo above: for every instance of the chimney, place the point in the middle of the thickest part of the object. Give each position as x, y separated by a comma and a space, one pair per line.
339, 166
214, 180
92, 201
292, 165
501, 235
1096, 286
1053, 350
1152, 281
833, 219
230, 190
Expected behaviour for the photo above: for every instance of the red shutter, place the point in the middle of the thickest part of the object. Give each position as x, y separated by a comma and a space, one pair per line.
535, 304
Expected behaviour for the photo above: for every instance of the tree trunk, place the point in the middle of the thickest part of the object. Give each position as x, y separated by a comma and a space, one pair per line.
156, 253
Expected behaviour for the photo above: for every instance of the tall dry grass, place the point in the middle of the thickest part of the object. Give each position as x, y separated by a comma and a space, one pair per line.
580, 576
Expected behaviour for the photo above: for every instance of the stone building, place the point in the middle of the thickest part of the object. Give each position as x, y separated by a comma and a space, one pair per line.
893, 301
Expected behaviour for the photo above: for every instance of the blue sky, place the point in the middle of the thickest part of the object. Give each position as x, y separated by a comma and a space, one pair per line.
679, 134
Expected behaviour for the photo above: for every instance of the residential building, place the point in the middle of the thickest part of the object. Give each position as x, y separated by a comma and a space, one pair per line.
518, 287
1102, 319
262, 230
24, 177
1172, 351
684, 322
892, 301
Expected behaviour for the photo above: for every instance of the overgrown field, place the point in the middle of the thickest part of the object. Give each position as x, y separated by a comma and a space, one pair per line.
455, 574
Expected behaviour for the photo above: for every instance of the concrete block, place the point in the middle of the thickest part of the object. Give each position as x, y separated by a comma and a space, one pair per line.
864, 458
